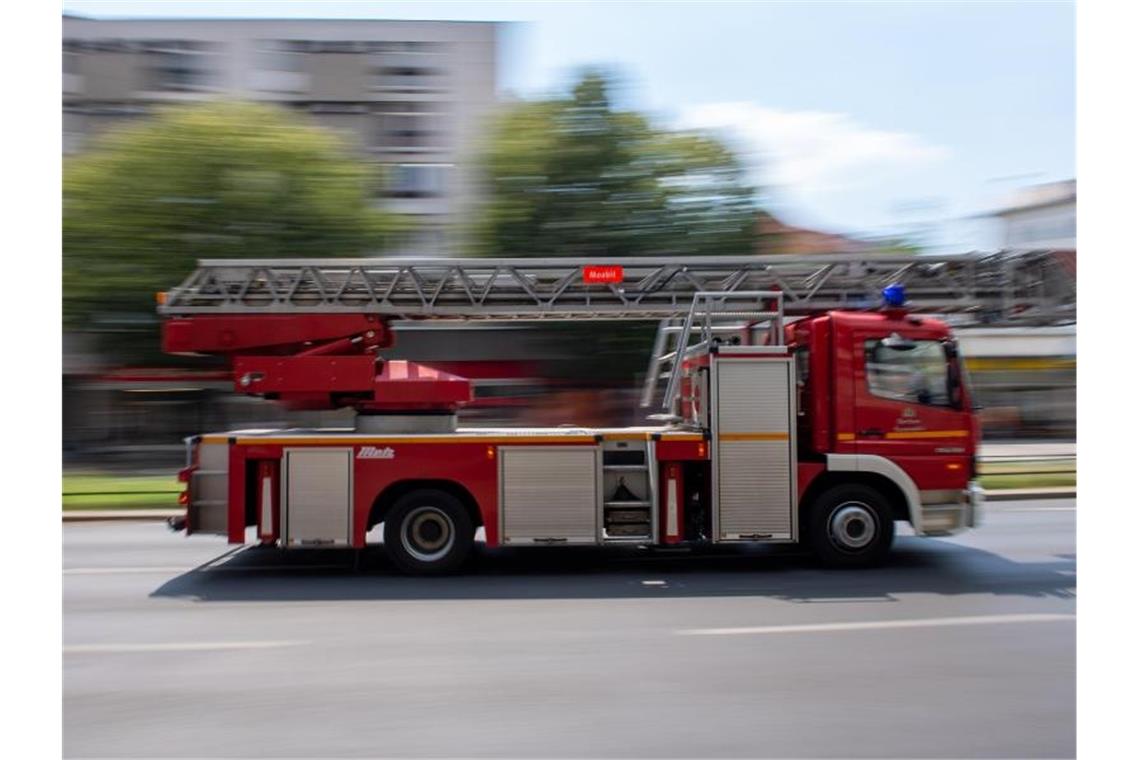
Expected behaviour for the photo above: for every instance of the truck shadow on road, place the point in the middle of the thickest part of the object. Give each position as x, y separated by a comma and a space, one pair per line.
915, 566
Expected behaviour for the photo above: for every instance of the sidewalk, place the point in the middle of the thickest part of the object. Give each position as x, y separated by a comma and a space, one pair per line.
1028, 449
1017, 494
90, 515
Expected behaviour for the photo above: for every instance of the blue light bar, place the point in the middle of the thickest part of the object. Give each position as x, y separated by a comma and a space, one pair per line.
894, 295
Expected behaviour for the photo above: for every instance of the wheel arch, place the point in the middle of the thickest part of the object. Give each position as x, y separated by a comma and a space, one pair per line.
879, 473
393, 492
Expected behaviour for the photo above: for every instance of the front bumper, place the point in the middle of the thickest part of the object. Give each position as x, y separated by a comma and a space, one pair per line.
945, 518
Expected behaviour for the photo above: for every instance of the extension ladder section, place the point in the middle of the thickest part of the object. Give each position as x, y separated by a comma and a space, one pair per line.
1024, 288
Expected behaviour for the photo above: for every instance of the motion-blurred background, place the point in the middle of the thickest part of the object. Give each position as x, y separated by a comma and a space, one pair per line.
777, 130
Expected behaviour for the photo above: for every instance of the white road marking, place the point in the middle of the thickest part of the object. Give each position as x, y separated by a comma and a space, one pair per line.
183, 646
204, 569
113, 570
844, 599
878, 624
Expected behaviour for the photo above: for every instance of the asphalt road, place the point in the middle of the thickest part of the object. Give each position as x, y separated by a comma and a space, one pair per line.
961, 647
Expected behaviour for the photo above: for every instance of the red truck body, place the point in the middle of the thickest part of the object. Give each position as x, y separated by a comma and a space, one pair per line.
858, 420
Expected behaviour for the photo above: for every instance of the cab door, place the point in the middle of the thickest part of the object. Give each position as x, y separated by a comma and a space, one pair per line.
910, 406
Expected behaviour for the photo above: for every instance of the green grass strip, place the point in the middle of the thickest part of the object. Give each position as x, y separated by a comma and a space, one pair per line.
103, 491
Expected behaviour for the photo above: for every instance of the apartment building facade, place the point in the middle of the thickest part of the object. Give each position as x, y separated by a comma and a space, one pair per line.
412, 96
1041, 216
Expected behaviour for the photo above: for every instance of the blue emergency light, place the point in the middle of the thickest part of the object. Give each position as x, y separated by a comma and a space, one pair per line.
894, 295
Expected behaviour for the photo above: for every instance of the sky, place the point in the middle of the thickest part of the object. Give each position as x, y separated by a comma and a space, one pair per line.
863, 118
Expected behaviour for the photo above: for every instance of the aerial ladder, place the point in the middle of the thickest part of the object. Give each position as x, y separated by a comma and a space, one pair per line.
309, 332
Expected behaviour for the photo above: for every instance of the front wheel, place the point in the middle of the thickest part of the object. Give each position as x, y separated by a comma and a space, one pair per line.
850, 526
428, 532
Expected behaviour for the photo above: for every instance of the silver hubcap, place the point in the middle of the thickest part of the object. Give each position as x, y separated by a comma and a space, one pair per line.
852, 526
427, 534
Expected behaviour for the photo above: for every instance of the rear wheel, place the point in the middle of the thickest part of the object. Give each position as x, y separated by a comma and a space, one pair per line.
850, 526
428, 532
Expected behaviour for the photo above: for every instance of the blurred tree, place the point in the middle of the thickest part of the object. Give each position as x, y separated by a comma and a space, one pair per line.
205, 181
902, 246
573, 177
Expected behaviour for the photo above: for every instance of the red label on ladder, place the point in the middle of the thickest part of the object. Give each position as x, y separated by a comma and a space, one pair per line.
593, 275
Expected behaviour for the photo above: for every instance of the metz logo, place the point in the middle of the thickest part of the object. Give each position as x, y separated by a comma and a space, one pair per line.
371, 452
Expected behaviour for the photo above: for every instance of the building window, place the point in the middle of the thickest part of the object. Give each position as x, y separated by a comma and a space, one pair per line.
408, 78
336, 46
409, 72
416, 180
407, 128
178, 65
281, 55
102, 45
335, 106
914, 372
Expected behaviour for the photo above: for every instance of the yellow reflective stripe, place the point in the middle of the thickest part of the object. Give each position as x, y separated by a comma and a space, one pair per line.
845, 436
279, 440
754, 436
929, 434
985, 364
321, 439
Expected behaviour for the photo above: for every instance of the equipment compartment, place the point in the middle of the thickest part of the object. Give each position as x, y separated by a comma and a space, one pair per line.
628, 490
317, 490
549, 494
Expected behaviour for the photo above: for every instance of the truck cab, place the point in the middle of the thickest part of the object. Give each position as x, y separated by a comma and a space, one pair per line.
885, 393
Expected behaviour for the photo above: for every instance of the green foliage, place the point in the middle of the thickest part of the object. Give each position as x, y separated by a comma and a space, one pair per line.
574, 177
898, 245
206, 181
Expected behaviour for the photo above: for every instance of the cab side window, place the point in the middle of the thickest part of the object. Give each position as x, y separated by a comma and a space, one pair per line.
915, 374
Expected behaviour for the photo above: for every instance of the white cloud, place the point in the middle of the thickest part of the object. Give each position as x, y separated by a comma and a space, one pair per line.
811, 154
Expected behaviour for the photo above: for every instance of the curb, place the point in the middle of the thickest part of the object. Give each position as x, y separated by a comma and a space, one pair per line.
93, 515
1017, 494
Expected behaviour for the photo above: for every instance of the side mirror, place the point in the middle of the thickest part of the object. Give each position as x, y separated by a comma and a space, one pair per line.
954, 373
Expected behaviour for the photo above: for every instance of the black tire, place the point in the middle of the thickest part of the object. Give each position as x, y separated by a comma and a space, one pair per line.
428, 532
850, 526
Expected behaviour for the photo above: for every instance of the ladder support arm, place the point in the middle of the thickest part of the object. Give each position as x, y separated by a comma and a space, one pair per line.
316, 361
230, 334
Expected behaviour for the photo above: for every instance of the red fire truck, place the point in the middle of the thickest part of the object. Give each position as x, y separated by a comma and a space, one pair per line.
796, 405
